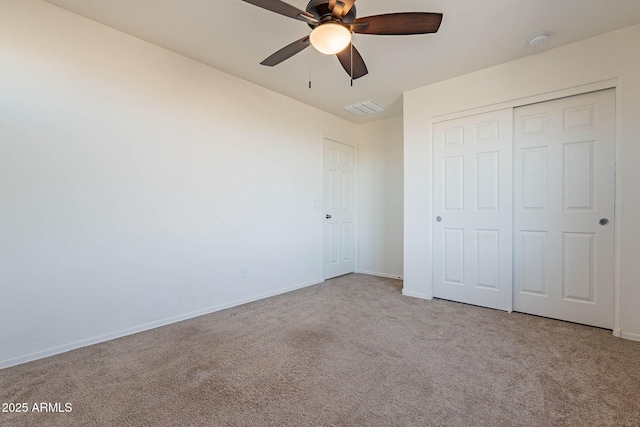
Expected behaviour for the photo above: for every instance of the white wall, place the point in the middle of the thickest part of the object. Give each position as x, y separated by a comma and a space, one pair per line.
610, 56
380, 213
134, 184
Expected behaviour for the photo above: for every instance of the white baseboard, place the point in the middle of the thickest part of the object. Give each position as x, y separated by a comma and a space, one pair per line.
629, 336
385, 275
416, 294
144, 327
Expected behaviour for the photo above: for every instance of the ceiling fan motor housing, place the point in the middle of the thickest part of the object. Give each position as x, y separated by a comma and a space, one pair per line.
320, 10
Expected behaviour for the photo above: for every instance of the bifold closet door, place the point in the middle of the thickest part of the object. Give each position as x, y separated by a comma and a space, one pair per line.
472, 220
564, 175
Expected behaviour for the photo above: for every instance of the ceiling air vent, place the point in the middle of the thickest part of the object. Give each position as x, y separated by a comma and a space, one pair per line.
365, 108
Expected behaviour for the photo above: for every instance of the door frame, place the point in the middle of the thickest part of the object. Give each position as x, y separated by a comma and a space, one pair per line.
520, 102
355, 203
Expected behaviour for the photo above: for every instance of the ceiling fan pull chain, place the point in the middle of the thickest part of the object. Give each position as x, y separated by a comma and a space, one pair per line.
351, 60
309, 69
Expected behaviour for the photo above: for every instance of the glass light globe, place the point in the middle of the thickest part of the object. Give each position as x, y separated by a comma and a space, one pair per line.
330, 38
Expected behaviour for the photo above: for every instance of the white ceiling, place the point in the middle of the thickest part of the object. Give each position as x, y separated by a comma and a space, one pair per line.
235, 37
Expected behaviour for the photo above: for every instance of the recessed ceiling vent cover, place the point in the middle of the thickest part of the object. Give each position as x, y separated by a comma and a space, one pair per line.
365, 108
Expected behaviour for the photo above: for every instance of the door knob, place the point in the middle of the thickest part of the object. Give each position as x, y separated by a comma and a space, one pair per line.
438, 218
604, 221
328, 216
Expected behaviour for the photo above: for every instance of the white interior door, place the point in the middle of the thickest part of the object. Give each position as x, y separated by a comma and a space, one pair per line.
339, 203
564, 208
472, 247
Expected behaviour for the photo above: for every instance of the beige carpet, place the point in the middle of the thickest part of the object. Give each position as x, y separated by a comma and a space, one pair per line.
351, 351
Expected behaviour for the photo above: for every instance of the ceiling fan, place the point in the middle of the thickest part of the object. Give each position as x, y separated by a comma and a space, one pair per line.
333, 22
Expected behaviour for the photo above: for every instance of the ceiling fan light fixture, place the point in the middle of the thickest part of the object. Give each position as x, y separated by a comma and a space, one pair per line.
330, 38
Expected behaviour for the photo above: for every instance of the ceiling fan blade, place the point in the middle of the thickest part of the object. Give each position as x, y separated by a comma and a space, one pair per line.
285, 9
287, 52
359, 67
400, 24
